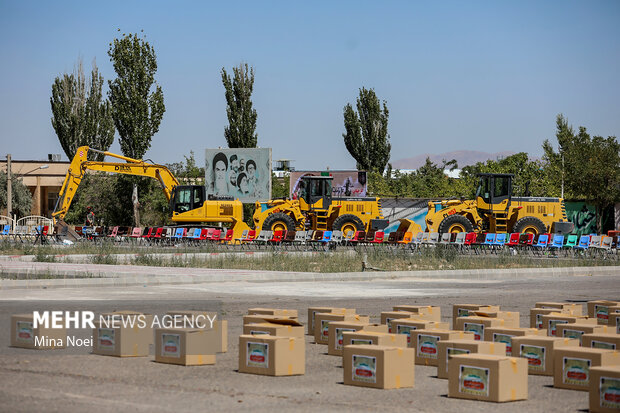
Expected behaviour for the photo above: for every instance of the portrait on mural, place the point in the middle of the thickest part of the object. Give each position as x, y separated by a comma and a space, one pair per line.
345, 183
241, 173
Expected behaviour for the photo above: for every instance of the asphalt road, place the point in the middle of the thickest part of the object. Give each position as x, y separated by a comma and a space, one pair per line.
73, 380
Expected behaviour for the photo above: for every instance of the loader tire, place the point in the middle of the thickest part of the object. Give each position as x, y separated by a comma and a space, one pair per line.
279, 221
455, 223
348, 223
530, 225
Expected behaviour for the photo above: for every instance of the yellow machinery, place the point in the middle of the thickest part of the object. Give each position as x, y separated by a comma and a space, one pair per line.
495, 210
187, 202
316, 209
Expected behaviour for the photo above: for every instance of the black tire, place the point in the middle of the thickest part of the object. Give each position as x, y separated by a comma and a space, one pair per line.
455, 223
277, 221
347, 223
531, 225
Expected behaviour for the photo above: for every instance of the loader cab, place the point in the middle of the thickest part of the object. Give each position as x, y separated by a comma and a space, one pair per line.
315, 192
187, 197
494, 192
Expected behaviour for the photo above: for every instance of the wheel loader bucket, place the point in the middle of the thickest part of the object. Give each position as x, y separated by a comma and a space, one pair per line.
407, 225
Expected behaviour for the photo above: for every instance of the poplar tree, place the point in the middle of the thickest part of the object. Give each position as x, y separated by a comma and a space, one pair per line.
241, 129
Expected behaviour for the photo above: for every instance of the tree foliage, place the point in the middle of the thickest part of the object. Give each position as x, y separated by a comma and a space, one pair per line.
588, 166
20, 195
80, 114
366, 136
241, 129
136, 98
188, 169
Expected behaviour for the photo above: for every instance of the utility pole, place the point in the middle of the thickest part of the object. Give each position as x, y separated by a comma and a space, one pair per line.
9, 188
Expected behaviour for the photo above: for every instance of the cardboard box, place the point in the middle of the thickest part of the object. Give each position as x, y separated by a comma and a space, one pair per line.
538, 350
124, 334
576, 330
425, 312
274, 330
24, 335
536, 315
312, 311
599, 309
388, 316
570, 308
185, 346
608, 341
572, 366
273, 311
487, 377
219, 325
604, 389
272, 355
477, 325
505, 335
614, 320
337, 328
425, 343
260, 318
373, 338
511, 318
381, 367
449, 348
550, 321
322, 320
406, 325
463, 310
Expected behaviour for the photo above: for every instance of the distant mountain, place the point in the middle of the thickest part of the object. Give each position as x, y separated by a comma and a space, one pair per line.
463, 158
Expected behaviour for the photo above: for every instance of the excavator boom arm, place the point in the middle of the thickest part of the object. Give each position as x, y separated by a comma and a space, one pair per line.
80, 164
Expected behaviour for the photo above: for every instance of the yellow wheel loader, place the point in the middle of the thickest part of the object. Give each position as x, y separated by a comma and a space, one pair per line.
188, 203
495, 210
316, 209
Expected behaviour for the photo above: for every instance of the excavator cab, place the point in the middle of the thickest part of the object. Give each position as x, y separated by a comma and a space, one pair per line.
187, 197
494, 192
315, 193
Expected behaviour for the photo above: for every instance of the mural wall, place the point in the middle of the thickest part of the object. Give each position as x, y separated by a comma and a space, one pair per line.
345, 183
583, 216
243, 173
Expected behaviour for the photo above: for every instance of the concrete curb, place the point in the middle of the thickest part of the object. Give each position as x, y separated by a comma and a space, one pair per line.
101, 275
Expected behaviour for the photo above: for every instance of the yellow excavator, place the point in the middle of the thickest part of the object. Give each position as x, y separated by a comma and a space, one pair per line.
188, 203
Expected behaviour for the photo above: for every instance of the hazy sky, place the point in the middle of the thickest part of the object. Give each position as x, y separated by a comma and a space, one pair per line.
456, 75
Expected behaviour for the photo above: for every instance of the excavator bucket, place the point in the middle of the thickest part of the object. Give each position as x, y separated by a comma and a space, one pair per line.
407, 225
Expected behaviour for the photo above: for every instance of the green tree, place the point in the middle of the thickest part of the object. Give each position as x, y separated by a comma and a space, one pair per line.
589, 167
80, 114
241, 129
188, 169
20, 195
366, 136
137, 100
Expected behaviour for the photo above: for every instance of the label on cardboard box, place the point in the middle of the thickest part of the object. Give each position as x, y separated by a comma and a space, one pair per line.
603, 344
477, 329
474, 380
256, 332
257, 355
171, 345
427, 346
324, 329
106, 338
23, 332
462, 312
570, 333
401, 329
535, 356
388, 321
504, 338
364, 369
339, 332
553, 324
617, 328
576, 371
360, 341
609, 388
539, 323
454, 352
601, 313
